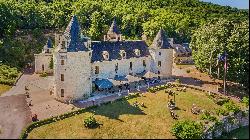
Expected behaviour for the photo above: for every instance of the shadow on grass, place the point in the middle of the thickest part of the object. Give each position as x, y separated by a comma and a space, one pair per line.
117, 108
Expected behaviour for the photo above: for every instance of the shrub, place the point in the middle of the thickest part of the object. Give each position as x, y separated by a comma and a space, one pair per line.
44, 74
188, 70
245, 100
221, 100
207, 116
187, 130
178, 81
90, 122
222, 112
231, 107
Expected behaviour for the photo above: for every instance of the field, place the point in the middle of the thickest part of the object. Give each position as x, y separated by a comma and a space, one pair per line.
4, 88
122, 120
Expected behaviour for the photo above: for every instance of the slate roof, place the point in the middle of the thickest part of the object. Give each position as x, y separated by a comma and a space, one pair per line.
113, 48
73, 33
161, 41
182, 48
114, 28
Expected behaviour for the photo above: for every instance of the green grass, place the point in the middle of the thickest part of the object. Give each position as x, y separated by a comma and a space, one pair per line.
4, 88
121, 120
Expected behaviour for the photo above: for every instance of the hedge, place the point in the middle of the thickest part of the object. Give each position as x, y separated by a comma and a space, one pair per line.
30, 127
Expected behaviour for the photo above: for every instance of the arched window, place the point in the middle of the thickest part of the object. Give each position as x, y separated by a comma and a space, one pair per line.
62, 92
116, 67
130, 65
159, 63
105, 55
137, 52
123, 54
144, 63
96, 69
62, 77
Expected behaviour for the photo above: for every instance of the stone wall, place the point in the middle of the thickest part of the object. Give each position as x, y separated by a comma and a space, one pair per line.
166, 58
77, 82
43, 59
107, 68
228, 124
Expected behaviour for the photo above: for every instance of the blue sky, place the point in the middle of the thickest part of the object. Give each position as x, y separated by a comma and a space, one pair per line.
241, 4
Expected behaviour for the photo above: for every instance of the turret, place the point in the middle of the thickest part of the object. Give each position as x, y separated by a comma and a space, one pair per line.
162, 54
114, 33
72, 65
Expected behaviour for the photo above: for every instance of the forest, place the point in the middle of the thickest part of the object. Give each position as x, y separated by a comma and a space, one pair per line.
181, 19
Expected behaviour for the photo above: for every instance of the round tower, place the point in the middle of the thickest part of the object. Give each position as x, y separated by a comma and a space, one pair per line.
72, 65
162, 55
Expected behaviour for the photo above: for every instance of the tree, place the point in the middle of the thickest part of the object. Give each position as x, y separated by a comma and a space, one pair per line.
217, 37
187, 129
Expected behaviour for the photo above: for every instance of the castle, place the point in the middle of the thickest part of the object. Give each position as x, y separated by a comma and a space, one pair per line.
78, 61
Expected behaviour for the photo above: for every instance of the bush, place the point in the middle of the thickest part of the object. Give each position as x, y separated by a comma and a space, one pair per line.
178, 81
245, 100
44, 74
231, 107
222, 112
221, 100
187, 130
188, 70
90, 122
207, 116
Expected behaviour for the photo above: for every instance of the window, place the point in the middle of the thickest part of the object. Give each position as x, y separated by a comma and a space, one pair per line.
116, 67
42, 67
122, 54
62, 92
62, 62
130, 65
159, 72
96, 69
159, 53
105, 55
159, 63
144, 63
63, 45
137, 52
62, 77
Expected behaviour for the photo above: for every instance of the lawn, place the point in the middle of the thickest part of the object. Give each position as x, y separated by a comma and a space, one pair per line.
122, 120
4, 88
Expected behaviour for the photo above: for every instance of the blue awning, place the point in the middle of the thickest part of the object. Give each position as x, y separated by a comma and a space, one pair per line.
121, 78
103, 83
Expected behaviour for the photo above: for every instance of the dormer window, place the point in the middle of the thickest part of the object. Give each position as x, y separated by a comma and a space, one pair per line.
105, 55
137, 52
123, 54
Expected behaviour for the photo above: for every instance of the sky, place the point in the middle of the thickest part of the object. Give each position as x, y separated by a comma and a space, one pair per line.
241, 4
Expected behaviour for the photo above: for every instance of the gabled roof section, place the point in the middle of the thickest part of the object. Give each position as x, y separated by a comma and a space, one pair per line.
73, 34
161, 40
114, 28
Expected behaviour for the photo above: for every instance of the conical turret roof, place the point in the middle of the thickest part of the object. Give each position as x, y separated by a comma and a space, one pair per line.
114, 28
73, 34
161, 40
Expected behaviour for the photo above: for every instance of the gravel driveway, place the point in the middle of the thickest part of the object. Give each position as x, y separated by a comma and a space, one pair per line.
15, 114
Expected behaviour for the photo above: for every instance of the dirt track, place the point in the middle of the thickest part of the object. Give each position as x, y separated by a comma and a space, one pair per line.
15, 114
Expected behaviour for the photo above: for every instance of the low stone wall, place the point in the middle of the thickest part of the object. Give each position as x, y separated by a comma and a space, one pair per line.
227, 124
